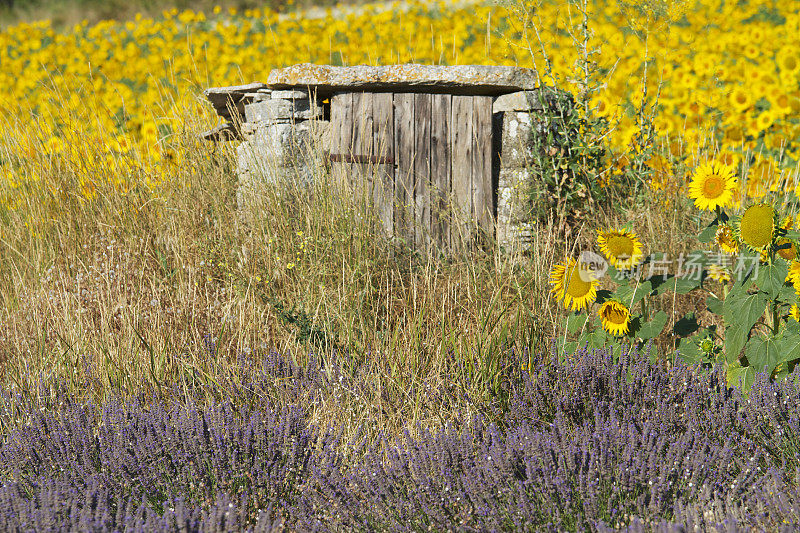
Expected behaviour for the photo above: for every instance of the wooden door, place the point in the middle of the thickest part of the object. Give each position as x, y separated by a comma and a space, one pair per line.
423, 160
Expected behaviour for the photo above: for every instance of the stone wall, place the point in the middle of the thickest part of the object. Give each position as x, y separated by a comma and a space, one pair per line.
283, 139
515, 117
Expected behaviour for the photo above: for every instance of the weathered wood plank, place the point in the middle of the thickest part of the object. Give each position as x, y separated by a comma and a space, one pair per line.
341, 137
404, 169
383, 150
422, 170
440, 169
463, 146
482, 196
361, 147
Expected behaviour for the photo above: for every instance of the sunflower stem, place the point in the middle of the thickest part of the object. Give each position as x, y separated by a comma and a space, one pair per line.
775, 319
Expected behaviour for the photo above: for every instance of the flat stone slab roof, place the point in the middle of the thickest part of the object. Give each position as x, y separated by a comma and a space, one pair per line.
220, 96
462, 79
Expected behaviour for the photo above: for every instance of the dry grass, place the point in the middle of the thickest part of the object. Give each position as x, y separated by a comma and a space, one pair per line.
144, 289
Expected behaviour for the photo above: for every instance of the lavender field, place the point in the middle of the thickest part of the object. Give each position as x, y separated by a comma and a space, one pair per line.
589, 445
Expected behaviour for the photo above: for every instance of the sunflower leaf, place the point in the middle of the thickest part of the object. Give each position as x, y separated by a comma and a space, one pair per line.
634, 326
685, 285
789, 341
654, 327
741, 312
603, 295
692, 273
678, 284
630, 296
714, 305
618, 276
686, 325
659, 282
707, 235
744, 310
764, 354
787, 294
746, 268
600, 338
770, 278
576, 322
570, 347
738, 375
735, 340
690, 351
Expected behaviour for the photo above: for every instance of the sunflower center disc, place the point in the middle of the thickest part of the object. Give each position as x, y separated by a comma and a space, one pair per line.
620, 247
616, 316
756, 226
713, 186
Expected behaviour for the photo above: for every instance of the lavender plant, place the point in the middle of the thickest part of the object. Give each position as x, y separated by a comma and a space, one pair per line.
593, 446
598, 443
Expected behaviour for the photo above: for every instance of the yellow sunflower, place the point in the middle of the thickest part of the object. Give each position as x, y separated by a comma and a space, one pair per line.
757, 227
621, 247
726, 240
794, 312
764, 120
719, 273
574, 283
616, 318
787, 60
793, 276
740, 98
712, 185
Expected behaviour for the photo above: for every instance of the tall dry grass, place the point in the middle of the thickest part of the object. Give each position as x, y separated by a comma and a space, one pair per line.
165, 282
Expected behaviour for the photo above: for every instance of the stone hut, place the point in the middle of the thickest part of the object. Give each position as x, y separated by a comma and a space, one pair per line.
422, 142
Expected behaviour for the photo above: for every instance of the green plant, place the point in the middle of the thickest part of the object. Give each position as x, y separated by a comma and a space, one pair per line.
626, 307
574, 170
758, 303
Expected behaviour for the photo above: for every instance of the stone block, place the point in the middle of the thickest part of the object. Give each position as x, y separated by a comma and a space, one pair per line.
256, 97
269, 111
518, 236
517, 146
280, 144
277, 155
321, 134
458, 79
223, 132
518, 101
291, 95
277, 110
512, 206
312, 112
248, 129
512, 189
220, 97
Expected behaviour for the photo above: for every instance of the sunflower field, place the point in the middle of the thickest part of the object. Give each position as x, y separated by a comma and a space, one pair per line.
282, 367
723, 74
